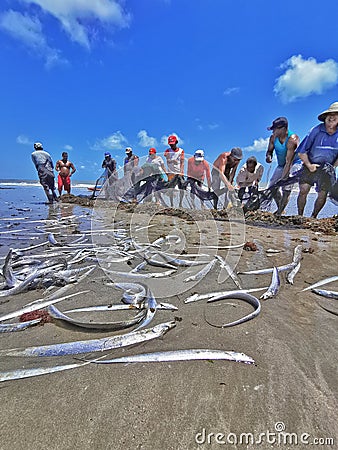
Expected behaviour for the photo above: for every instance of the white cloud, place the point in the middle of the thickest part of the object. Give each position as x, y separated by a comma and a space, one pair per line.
116, 141
145, 140
28, 30
24, 140
231, 90
259, 145
304, 77
68, 147
80, 17
164, 139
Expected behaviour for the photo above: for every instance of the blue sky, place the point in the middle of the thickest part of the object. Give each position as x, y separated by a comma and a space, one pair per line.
91, 76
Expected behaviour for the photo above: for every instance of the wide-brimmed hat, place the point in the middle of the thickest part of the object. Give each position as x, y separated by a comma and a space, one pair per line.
333, 108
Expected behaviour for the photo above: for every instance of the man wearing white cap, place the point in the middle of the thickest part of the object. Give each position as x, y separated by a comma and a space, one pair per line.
198, 170
130, 161
44, 166
319, 153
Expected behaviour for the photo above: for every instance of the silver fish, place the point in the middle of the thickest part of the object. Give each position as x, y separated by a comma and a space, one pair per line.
291, 275
151, 307
112, 326
324, 293
283, 268
181, 262
197, 297
321, 283
93, 345
202, 273
7, 271
134, 293
274, 286
162, 305
20, 326
140, 275
37, 305
253, 301
33, 372
180, 355
231, 273
139, 267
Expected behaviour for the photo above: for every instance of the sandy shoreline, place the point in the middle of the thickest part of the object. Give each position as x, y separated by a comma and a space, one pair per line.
164, 405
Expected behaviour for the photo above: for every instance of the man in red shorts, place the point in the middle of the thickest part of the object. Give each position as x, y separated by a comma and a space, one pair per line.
66, 169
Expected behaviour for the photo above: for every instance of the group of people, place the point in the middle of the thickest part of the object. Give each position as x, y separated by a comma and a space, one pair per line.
310, 162
45, 168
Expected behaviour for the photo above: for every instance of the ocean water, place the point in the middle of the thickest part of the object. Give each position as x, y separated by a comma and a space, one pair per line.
28, 194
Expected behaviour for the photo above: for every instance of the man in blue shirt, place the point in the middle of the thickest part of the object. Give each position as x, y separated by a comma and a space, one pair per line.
44, 166
284, 142
319, 153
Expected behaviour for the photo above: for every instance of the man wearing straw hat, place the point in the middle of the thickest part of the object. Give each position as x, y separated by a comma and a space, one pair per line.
319, 153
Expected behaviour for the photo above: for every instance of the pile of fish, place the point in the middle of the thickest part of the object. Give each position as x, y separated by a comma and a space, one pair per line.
63, 264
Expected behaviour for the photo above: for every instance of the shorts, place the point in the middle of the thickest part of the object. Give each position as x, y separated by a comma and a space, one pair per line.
46, 178
320, 178
63, 182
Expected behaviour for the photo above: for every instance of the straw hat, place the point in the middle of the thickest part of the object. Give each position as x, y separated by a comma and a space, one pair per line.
333, 108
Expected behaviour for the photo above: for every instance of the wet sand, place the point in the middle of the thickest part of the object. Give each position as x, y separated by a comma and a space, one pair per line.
165, 405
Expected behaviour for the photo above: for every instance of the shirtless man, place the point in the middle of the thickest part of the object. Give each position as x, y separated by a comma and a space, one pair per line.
224, 169
66, 169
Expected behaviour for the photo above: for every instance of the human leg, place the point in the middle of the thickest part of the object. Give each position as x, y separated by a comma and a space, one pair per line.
319, 203
60, 184
304, 189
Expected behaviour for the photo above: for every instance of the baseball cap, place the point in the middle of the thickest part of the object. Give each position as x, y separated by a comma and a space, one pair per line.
129, 150
38, 146
172, 139
107, 154
152, 150
280, 122
237, 153
199, 155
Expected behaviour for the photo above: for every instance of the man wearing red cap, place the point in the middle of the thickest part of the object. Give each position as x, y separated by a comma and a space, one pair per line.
175, 162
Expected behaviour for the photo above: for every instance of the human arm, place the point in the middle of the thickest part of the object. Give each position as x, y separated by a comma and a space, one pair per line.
305, 159
207, 173
291, 146
233, 173
260, 171
71, 165
269, 152
58, 166
182, 163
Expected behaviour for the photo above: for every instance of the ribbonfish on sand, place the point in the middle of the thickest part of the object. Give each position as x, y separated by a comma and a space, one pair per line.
321, 283
274, 286
11, 327
325, 293
253, 301
54, 312
197, 297
180, 355
93, 345
202, 273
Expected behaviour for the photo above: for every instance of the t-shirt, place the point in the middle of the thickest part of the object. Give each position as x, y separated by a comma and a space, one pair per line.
320, 146
174, 158
198, 170
246, 178
129, 163
157, 161
42, 158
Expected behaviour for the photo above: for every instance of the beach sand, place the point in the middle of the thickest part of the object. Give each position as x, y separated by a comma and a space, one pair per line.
292, 386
